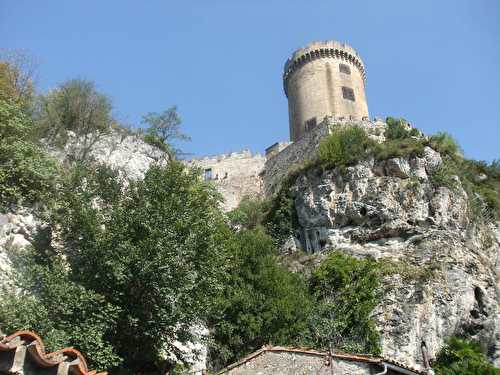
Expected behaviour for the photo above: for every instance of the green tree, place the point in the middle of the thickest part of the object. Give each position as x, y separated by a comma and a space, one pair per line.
347, 290
249, 214
155, 248
63, 312
16, 79
262, 303
78, 107
163, 129
463, 357
27, 173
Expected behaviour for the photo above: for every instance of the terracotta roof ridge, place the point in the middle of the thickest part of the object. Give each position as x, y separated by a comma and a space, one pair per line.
36, 348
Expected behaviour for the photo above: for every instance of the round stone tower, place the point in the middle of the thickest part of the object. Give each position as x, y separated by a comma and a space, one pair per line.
324, 79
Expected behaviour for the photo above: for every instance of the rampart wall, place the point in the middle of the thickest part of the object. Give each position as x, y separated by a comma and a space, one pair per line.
235, 175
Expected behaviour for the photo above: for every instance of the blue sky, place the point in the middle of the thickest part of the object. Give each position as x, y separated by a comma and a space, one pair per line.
435, 63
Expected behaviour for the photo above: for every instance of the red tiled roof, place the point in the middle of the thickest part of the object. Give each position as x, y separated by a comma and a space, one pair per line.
343, 356
36, 348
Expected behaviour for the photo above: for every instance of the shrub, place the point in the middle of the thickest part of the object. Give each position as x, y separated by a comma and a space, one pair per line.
157, 142
63, 312
463, 357
345, 146
398, 129
347, 290
27, 173
445, 174
74, 106
397, 148
249, 213
445, 144
281, 221
262, 303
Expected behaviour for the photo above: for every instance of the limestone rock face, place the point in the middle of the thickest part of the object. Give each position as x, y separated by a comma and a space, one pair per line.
17, 229
118, 149
444, 264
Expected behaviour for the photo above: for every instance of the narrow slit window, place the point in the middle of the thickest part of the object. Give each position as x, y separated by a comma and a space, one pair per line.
207, 174
346, 69
311, 124
348, 93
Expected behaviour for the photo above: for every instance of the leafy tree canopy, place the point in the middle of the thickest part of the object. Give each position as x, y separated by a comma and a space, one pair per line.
347, 290
250, 212
153, 250
27, 173
463, 357
74, 106
163, 129
262, 303
63, 312
16, 79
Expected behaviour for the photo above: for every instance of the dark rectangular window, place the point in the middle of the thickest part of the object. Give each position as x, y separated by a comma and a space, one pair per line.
345, 68
311, 124
207, 174
348, 93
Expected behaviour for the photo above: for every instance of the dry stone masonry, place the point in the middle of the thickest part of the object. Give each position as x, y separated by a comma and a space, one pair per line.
235, 175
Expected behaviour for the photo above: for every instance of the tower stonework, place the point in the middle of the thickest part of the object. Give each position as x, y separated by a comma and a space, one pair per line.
324, 79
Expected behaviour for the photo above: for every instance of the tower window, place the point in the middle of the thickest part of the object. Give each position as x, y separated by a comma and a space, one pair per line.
344, 68
348, 93
207, 174
311, 124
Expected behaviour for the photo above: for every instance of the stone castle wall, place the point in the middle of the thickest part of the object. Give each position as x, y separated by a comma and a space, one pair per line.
241, 174
235, 175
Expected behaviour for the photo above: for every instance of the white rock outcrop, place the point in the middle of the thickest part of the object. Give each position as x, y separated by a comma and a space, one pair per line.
118, 149
445, 262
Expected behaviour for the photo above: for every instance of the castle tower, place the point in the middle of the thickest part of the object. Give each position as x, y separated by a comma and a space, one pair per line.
324, 79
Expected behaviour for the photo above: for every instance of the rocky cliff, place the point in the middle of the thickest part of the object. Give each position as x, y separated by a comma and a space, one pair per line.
441, 263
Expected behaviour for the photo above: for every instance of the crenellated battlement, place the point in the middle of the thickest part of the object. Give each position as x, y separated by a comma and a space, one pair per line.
318, 50
229, 155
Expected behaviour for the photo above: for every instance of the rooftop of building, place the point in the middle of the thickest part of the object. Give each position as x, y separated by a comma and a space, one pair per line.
21, 349
396, 366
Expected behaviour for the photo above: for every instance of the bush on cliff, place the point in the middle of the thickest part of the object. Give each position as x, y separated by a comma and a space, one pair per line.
398, 128
345, 146
27, 173
249, 214
346, 290
463, 357
262, 303
163, 129
446, 145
